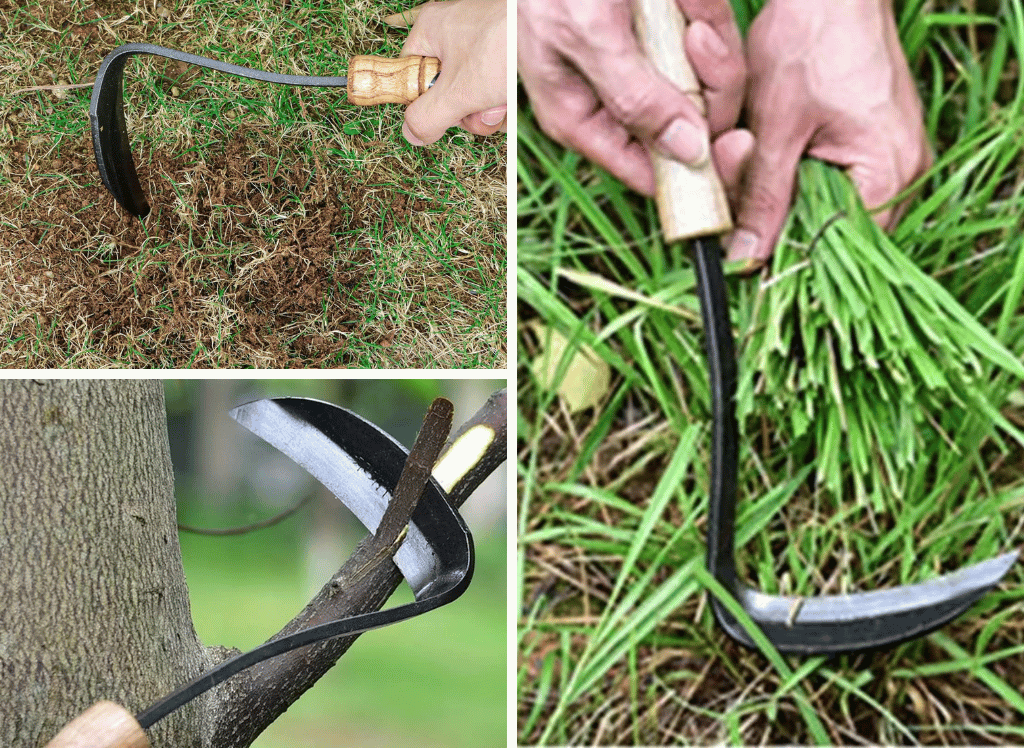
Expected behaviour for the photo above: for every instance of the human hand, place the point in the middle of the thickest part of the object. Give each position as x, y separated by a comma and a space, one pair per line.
468, 36
829, 79
594, 91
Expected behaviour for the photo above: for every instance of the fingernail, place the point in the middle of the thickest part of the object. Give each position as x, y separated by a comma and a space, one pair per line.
742, 246
684, 142
712, 43
409, 136
493, 117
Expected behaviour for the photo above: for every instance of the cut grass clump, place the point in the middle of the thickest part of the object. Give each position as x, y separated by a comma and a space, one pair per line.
857, 356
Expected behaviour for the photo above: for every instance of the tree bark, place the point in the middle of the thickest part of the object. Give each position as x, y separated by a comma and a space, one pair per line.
95, 603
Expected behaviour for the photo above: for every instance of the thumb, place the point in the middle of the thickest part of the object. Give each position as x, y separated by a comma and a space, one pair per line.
427, 118
765, 199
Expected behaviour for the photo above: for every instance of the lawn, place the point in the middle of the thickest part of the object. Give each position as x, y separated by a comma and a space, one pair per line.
288, 228
881, 414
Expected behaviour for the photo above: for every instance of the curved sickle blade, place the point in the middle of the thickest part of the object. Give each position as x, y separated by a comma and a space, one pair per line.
827, 624
106, 114
361, 465
832, 624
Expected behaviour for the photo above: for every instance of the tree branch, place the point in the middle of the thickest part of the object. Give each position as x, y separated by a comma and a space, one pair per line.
256, 697
243, 529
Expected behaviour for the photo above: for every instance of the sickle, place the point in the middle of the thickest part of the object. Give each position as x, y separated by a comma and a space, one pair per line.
827, 624
692, 205
370, 80
370, 473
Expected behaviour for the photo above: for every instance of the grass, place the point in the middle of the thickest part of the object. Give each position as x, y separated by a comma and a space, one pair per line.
881, 415
289, 229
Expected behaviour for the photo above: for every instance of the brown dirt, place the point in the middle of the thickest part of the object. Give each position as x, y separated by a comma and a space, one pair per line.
164, 302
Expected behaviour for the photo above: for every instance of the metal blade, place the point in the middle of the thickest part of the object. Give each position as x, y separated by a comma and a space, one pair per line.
361, 465
830, 624
826, 624
106, 113
338, 447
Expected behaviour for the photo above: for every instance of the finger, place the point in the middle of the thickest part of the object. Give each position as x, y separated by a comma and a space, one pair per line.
484, 123
602, 139
876, 187
442, 106
765, 197
717, 14
647, 104
732, 152
722, 72
427, 118
714, 47
568, 111
879, 181
423, 38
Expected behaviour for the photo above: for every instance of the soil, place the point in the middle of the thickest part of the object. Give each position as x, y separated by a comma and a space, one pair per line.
308, 264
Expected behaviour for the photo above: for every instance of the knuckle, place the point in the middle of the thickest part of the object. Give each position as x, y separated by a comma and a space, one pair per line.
633, 107
429, 13
417, 130
555, 129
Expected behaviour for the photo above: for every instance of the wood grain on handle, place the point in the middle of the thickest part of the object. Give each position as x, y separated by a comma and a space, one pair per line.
103, 725
691, 202
386, 80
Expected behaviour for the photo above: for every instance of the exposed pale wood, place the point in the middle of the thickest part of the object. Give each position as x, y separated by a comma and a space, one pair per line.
384, 80
103, 725
405, 19
691, 202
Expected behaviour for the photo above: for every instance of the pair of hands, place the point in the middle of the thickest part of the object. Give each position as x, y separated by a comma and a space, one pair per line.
468, 36
824, 78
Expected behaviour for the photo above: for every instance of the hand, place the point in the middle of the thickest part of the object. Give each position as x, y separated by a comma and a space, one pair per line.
594, 91
829, 79
468, 36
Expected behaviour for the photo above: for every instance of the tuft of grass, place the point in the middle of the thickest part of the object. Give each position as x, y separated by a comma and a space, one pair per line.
881, 410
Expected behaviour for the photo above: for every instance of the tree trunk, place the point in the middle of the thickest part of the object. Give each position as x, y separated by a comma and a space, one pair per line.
95, 603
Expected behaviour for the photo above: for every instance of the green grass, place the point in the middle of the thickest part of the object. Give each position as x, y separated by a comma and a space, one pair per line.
881, 414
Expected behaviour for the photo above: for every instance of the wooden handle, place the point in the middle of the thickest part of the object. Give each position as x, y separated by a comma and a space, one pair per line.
385, 80
691, 202
103, 725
